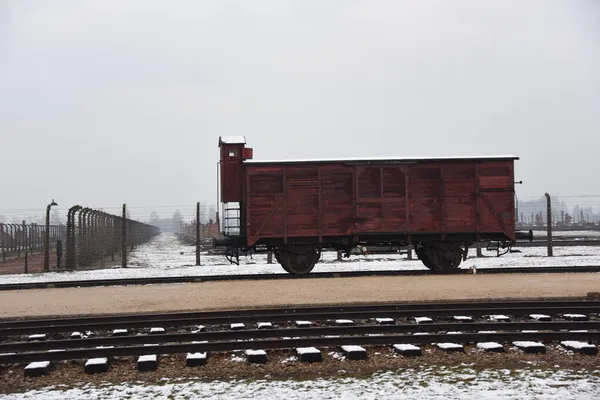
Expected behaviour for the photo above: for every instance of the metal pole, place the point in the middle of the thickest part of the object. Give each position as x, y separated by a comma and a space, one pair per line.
124, 239
198, 233
549, 224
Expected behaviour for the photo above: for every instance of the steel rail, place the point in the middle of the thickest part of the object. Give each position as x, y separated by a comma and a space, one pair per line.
283, 275
6, 329
293, 332
408, 305
433, 305
71, 354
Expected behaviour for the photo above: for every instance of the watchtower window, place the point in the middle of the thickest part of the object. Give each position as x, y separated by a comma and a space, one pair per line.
232, 153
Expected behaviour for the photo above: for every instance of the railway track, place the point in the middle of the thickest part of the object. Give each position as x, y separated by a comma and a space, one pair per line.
277, 276
571, 322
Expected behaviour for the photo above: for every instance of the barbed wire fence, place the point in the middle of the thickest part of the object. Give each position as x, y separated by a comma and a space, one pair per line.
22, 241
568, 211
89, 236
93, 237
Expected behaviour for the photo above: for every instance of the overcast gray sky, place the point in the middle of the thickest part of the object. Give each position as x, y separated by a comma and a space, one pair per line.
104, 102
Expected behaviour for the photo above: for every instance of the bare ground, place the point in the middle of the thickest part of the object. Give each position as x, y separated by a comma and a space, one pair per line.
292, 292
35, 263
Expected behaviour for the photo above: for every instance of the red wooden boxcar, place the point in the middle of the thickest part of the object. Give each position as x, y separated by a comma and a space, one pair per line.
441, 206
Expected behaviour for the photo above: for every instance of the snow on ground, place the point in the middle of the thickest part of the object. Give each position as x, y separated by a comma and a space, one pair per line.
424, 383
566, 234
164, 256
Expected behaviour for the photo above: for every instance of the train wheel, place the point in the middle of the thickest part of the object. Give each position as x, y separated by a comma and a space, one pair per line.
428, 263
423, 256
446, 260
283, 261
299, 263
440, 259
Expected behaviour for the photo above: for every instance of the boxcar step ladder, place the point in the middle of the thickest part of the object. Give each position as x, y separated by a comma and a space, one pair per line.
232, 221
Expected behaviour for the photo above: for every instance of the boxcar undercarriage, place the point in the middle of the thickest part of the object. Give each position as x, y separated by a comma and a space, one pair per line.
300, 255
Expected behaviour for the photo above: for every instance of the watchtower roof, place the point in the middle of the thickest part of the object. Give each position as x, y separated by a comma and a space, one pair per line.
232, 140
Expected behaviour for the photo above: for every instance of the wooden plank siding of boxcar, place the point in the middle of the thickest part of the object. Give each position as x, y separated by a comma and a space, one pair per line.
496, 199
333, 199
381, 199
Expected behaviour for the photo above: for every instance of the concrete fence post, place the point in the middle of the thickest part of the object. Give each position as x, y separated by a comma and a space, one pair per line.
89, 251
549, 224
70, 259
83, 243
198, 233
117, 235
124, 238
102, 218
19, 238
2, 242
13, 243
24, 241
80, 239
40, 229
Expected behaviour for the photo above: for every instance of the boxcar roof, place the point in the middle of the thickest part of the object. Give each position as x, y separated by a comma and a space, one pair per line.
378, 160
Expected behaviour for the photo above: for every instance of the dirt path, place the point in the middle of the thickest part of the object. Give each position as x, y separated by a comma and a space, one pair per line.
241, 294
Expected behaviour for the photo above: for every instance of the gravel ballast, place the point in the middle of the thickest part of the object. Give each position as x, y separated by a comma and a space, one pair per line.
284, 364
